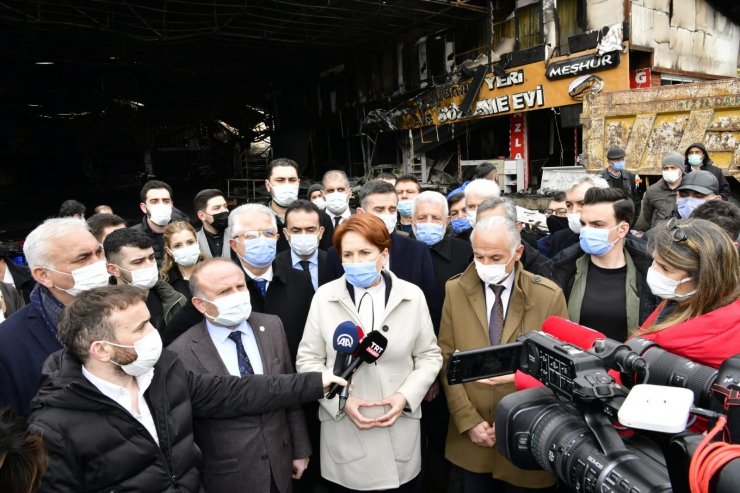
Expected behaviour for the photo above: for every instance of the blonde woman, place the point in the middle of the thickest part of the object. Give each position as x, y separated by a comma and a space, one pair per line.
181, 253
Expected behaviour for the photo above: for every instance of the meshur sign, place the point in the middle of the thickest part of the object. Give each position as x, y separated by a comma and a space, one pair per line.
560, 82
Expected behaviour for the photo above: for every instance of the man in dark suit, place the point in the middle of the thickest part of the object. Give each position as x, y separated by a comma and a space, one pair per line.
409, 259
260, 450
65, 259
273, 288
304, 231
337, 192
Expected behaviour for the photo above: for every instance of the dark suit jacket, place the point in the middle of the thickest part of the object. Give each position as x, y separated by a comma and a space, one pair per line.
285, 259
289, 297
239, 454
560, 240
410, 261
450, 257
25, 343
22, 278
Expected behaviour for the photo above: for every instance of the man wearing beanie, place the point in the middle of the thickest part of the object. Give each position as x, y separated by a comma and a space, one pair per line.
659, 201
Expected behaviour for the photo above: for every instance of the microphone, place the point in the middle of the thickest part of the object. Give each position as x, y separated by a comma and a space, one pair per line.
344, 394
370, 349
571, 332
346, 339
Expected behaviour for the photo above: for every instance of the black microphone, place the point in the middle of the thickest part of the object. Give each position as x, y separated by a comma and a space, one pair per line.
344, 394
371, 348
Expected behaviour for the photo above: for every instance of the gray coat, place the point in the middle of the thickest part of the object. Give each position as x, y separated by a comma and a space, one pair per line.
238, 454
205, 247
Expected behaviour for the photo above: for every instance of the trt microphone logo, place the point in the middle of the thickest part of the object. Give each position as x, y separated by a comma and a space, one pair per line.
345, 340
375, 350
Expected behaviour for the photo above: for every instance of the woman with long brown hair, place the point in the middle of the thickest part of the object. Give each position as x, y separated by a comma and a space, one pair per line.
181, 253
696, 270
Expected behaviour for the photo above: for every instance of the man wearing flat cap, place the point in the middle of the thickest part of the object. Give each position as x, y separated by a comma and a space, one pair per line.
618, 177
659, 201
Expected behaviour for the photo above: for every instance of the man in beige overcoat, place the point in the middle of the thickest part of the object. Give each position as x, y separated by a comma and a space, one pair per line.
493, 302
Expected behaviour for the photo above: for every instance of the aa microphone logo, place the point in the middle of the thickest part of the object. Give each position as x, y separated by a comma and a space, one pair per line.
345, 340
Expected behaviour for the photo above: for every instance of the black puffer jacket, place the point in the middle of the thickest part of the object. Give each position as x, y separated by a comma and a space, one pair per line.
97, 446
564, 267
724, 185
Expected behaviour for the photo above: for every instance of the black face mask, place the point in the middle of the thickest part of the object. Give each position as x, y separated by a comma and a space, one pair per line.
220, 220
556, 223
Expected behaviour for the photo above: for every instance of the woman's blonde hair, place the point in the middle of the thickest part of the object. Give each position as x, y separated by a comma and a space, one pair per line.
172, 229
709, 256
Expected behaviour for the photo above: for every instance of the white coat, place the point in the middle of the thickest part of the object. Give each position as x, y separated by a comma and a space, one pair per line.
375, 458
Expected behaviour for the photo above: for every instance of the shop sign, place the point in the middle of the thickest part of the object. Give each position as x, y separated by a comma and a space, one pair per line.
640, 78
586, 64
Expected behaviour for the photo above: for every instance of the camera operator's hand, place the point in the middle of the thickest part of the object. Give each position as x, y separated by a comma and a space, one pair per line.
482, 435
497, 380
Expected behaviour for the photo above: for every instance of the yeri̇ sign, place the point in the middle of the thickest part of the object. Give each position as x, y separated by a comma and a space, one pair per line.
521, 89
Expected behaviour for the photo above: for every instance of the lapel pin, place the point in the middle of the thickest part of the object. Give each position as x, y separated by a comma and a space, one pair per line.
262, 328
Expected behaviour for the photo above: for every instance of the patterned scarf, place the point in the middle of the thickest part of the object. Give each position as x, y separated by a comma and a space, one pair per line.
48, 307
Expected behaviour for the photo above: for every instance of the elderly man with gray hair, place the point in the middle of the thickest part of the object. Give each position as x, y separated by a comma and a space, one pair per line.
532, 260
476, 193
65, 259
574, 203
493, 302
274, 288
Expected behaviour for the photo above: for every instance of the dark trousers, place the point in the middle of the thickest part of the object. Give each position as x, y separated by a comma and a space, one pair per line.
409, 487
474, 482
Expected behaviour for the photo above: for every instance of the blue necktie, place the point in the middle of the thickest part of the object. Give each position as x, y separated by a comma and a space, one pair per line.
245, 367
262, 286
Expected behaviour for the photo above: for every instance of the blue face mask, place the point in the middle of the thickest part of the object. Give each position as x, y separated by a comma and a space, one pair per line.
695, 159
362, 274
686, 205
595, 241
619, 165
460, 224
429, 233
404, 208
260, 252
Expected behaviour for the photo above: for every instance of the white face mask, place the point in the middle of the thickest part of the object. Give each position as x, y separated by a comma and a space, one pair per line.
336, 202
574, 222
389, 220
87, 277
187, 255
471, 217
304, 245
144, 278
493, 273
672, 176
664, 287
320, 203
160, 214
284, 195
232, 309
148, 349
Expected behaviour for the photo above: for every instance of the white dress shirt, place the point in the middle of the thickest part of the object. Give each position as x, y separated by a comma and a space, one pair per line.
370, 305
344, 215
8, 277
508, 284
267, 275
227, 348
313, 266
122, 397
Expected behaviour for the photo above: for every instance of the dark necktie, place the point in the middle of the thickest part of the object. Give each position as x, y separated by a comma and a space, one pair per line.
261, 285
337, 219
304, 266
245, 367
496, 320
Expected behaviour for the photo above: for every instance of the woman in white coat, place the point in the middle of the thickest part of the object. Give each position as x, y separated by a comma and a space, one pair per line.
374, 444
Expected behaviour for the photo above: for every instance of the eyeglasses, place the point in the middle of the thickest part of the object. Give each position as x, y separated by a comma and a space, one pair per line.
558, 212
253, 234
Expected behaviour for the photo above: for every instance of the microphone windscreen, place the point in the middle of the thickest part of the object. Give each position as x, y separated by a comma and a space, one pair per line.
571, 332
372, 347
346, 338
